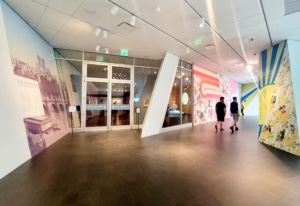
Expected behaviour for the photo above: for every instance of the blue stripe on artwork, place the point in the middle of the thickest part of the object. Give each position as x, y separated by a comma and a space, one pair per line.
263, 67
273, 58
248, 94
259, 130
279, 63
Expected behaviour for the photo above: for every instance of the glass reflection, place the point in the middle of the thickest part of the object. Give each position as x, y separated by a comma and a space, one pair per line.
120, 108
96, 104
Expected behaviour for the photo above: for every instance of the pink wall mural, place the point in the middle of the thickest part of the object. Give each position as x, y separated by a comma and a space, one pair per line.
208, 88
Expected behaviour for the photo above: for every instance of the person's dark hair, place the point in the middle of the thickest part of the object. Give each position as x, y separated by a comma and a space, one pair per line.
234, 98
221, 98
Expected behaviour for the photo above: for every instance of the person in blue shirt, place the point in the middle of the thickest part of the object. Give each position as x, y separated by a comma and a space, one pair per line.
234, 110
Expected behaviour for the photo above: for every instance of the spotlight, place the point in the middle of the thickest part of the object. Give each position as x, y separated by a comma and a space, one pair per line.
97, 48
97, 32
132, 21
104, 34
202, 22
157, 9
249, 67
114, 10
106, 51
187, 50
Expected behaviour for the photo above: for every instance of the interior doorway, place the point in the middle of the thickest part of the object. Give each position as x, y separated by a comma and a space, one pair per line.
107, 96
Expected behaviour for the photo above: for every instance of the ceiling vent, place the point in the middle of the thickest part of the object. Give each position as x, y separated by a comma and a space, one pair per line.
209, 47
291, 6
123, 28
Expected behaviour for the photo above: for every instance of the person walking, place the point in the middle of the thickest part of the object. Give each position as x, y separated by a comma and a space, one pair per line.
234, 110
242, 108
221, 112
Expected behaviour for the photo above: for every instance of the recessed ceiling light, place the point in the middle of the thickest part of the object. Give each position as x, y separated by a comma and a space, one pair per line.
104, 34
187, 50
132, 21
202, 22
114, 10
97, 32
97, 48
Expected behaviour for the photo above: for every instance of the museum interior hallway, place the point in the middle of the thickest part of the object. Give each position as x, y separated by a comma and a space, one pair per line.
193, 166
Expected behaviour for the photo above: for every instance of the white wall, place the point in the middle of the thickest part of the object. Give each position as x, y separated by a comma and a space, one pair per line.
294, 52
160, 96
14, 148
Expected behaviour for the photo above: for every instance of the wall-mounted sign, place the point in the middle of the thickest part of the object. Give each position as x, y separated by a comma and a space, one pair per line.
72, 108
138, 110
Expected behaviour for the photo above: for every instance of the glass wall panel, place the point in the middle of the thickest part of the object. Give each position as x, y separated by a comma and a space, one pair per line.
97, 71
70, 75
144, 80
180, 101
102, 57
69, 54
122, 73
186, 96
147, 62
173, 114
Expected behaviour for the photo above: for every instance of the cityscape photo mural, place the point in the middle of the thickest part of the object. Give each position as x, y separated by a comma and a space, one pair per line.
34, 66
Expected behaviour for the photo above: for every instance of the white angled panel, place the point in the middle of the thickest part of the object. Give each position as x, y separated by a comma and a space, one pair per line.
160, 96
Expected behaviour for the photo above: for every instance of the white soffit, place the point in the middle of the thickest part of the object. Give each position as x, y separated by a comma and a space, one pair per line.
65, 6
91, 10
153, 38
133, 6
29, 10
54, 19
291, 6
123, 28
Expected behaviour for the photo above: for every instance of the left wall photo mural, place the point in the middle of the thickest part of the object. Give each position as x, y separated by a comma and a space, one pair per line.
34, 66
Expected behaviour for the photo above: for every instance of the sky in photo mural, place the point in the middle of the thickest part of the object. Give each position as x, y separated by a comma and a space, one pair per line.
208, 88
277, 120
39, 89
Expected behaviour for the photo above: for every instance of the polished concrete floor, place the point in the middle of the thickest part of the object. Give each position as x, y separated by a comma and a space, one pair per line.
194, 166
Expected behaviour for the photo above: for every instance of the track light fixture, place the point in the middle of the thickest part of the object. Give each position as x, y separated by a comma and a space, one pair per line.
157, 9
202, 22
132, 21
104, 34
97, 32
114, 10
97, 48
187, 50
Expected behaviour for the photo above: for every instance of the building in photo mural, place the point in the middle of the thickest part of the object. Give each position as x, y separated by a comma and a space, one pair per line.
208, 88
277, 112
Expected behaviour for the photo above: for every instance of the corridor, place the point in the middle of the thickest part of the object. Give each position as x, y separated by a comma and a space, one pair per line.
195, 166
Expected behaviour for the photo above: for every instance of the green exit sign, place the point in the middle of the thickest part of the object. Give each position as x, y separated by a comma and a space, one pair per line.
99, 58
124, 52
198, 41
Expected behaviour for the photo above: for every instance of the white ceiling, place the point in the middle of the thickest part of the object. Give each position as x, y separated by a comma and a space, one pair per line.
238, 29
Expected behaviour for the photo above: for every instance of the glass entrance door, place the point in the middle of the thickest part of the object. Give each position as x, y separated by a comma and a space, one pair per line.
120, 107
107, 97
96, 104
